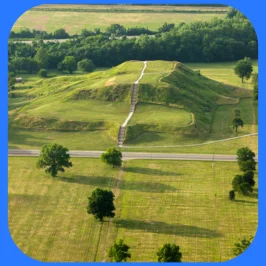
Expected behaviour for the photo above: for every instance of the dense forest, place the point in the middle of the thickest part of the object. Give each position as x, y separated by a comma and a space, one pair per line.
231, 38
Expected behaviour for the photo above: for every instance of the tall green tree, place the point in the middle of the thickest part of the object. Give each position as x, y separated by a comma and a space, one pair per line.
255, 86
244, 68
237, 122
11, 80
42, 58
54, 158
68, 64
101, 204
246, 159
119, 252
169, 253
232, 195
242, 245
112, 157
86, 65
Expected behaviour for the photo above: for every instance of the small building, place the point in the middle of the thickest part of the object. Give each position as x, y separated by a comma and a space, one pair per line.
19, 80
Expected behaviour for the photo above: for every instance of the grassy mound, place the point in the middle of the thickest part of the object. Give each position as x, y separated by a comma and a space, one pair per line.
181, 89
172, 100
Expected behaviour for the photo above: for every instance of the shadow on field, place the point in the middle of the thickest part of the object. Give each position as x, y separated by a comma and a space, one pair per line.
245, 201
107, 181
170, 229
89, 180
145, 138
149, 171
147, 187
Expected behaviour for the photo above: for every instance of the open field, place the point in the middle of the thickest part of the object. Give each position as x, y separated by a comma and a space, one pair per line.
156, 202
52, 20
223, 72
158, 8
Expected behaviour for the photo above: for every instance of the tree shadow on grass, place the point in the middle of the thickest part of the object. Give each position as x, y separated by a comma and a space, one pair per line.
107, 181
149, 171
89, 180
165, 228
245, 201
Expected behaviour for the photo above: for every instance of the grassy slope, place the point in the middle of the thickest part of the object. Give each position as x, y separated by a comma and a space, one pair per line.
223, 72
211, 103
52, 20
96, 101
156, 202
73, 105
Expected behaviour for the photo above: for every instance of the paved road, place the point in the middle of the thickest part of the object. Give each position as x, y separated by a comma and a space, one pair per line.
137, 155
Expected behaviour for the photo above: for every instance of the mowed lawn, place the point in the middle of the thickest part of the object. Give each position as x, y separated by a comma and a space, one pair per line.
224, 72
157, 202
221, 128
160, 115
74, 22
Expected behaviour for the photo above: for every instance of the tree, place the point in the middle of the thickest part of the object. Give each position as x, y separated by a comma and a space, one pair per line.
119, 252
255, 86
238, 179
241, 246
112, 157
245, 159
54, 158
69, 64
60, 34
237, 122
101, 204
43, 73
86, 65
41, 58
232, 195
169, 253
249, 178
11, 80
245, 188
244, 68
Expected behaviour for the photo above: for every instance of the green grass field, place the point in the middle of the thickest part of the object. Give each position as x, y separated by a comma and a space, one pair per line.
223, 72
156, 202
89, 108
52, 20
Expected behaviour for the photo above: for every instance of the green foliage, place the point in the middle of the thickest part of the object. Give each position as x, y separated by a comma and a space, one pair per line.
232, 195
42, 58
255, 86
23, 64
248, 177
169, 253
54, 158
112, 157
244, 68
43, 73
241, 246
60, 34
101, 204
245, 188
11, 80
236, 182
245, 159
237, 122
116, 30
86, 65
68, 64
166, 27
119, 252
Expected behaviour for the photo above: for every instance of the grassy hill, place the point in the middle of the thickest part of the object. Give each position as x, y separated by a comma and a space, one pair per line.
186, 91
176, 105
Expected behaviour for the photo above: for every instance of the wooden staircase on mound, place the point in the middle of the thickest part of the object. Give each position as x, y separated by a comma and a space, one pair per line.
122, 130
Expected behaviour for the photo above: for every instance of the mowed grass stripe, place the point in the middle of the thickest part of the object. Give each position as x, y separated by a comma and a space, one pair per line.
159, 201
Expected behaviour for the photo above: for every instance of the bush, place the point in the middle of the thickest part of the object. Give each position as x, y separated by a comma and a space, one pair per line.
86, 65
43, 73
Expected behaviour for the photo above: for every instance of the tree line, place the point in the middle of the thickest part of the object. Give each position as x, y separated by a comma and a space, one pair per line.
218, 40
